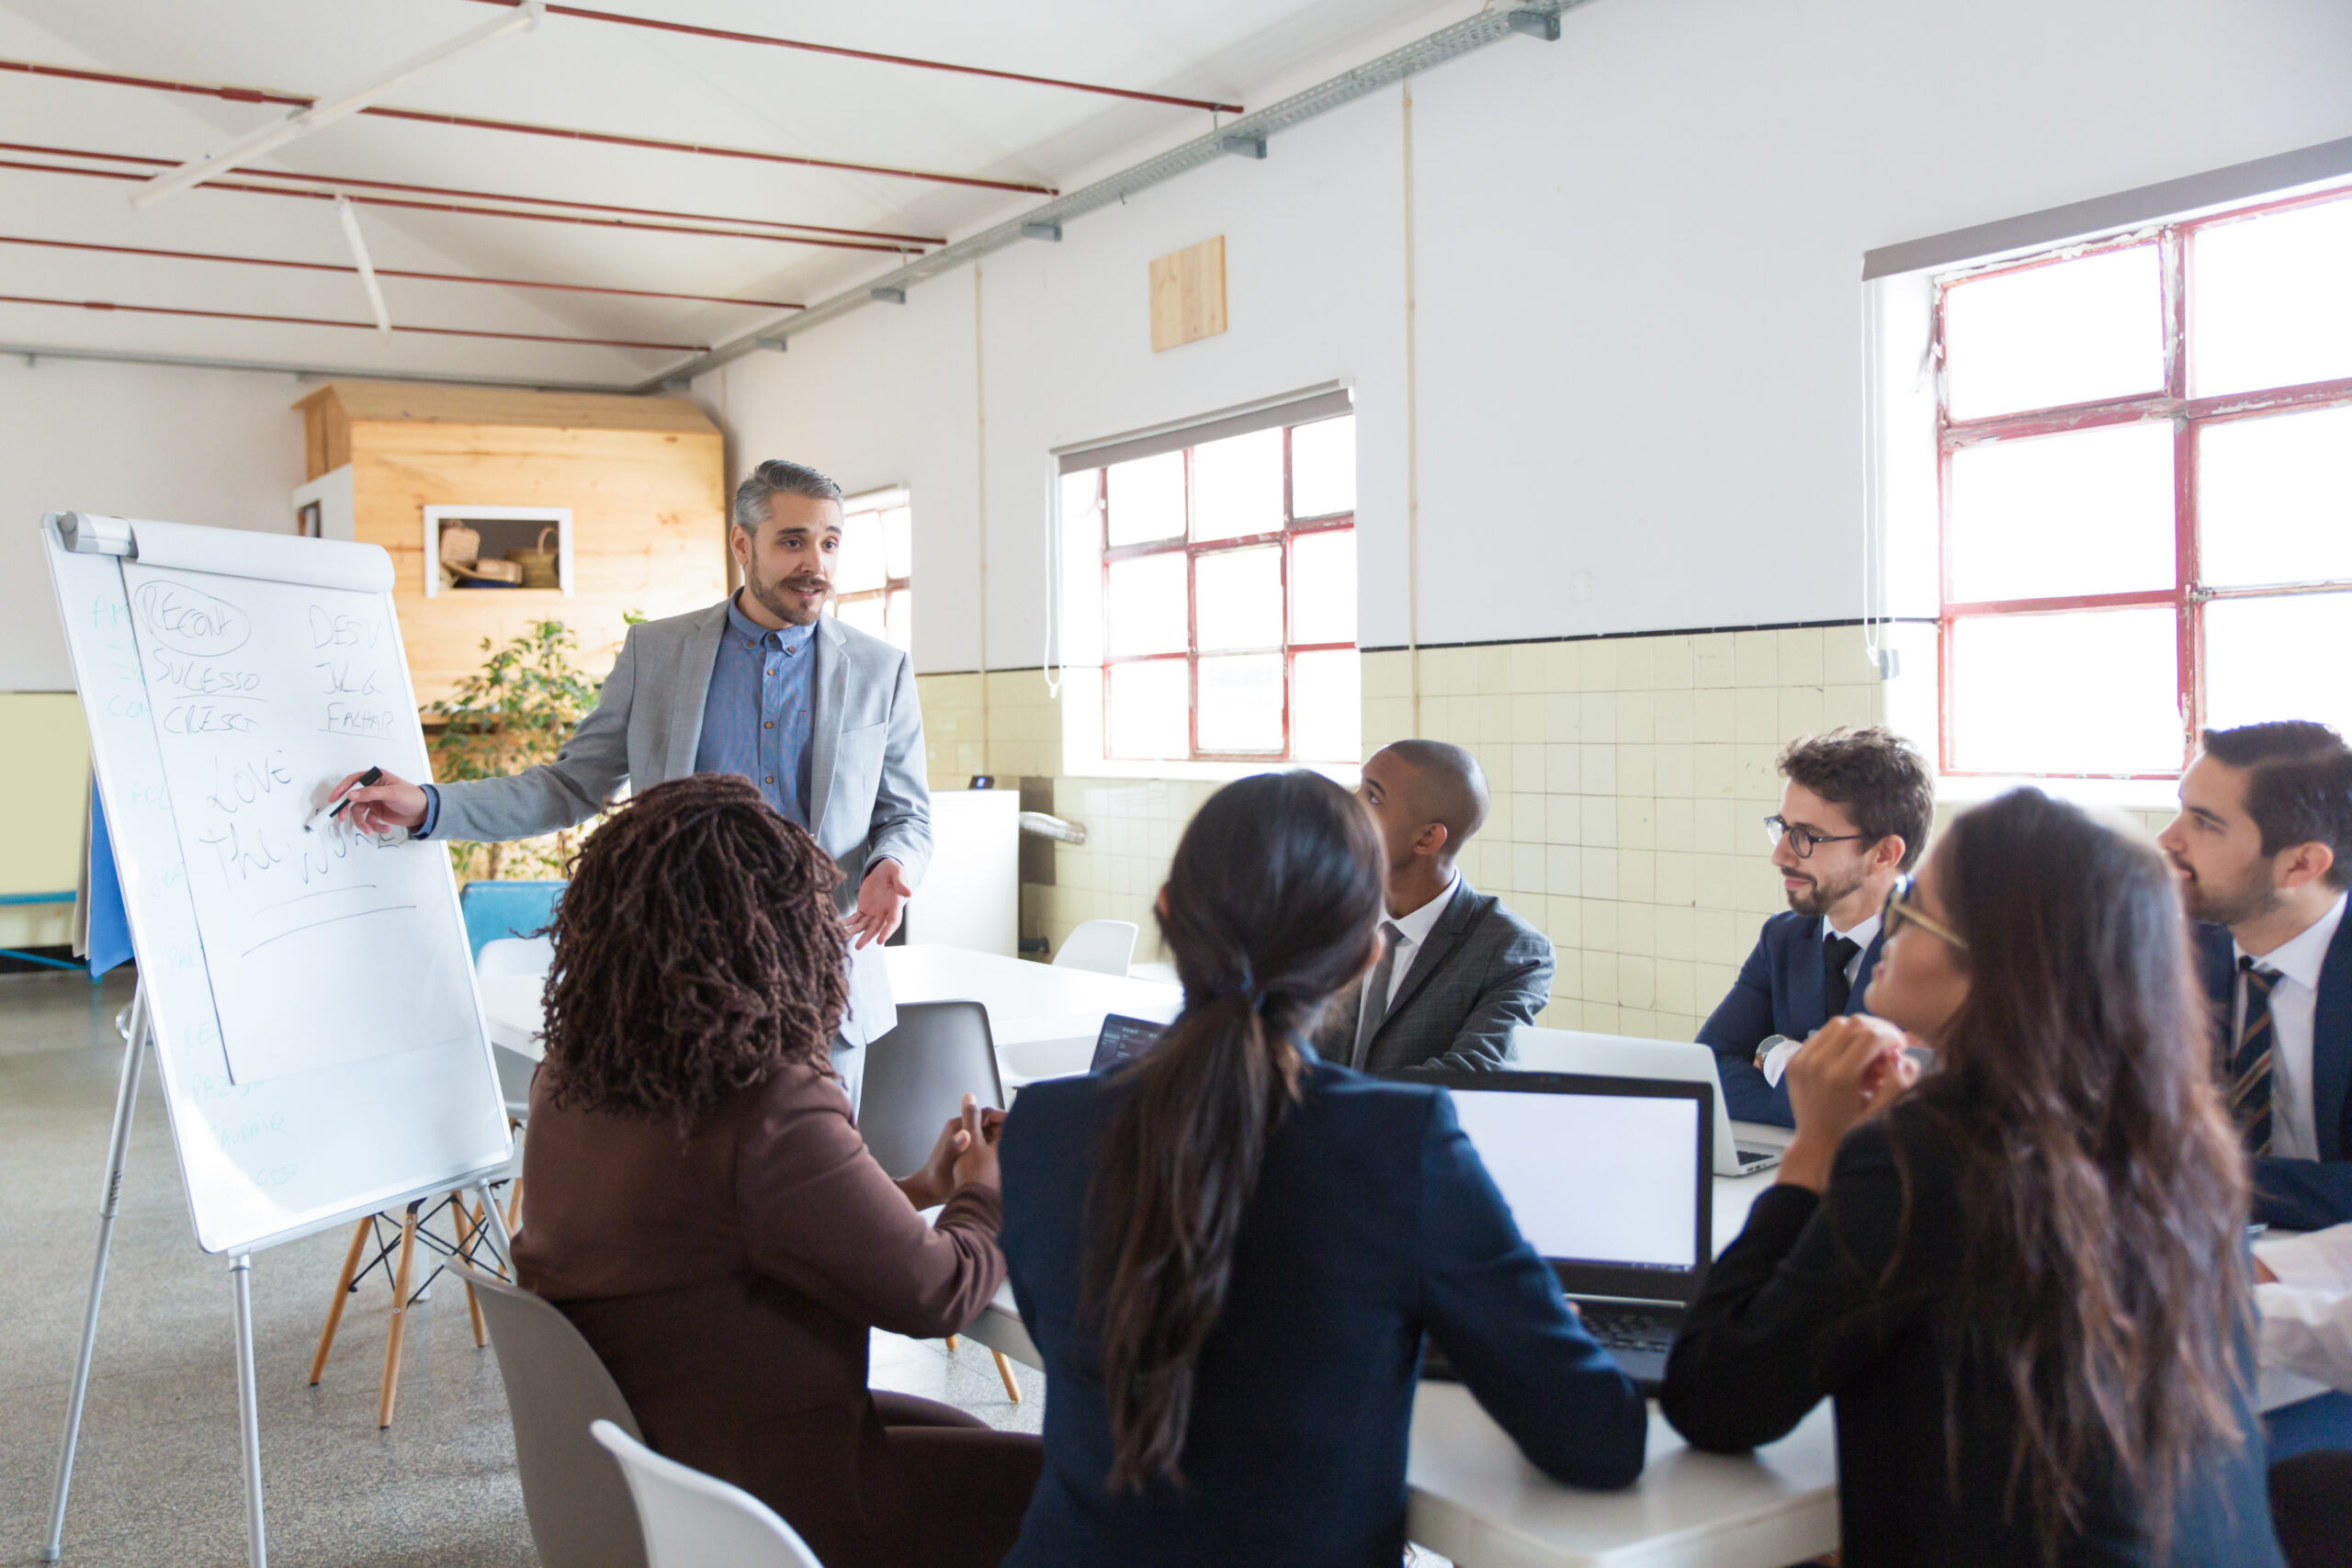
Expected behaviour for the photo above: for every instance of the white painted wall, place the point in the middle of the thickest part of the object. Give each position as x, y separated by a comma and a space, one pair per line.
1640, 315
218, 447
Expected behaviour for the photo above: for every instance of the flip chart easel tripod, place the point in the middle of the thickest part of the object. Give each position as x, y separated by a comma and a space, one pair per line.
135, 1044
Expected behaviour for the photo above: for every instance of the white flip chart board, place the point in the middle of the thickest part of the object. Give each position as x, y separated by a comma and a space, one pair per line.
320, 1041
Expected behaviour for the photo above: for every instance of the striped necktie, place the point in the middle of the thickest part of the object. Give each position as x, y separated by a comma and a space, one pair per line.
2250, 1064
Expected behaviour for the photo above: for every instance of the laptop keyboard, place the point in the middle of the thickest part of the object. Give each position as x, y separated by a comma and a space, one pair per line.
1630, 1327
1749, 1156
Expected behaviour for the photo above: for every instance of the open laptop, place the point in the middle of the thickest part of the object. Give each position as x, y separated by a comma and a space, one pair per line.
1630, 1056
1122, 1040
1609, 1180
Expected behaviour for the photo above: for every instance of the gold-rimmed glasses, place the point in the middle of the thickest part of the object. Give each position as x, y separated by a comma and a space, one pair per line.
1903, 909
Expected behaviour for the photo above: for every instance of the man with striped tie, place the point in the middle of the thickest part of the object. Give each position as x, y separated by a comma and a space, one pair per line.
2263, 847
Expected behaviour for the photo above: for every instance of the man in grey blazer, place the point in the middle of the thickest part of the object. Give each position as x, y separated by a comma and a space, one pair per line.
1460, 971
820, 716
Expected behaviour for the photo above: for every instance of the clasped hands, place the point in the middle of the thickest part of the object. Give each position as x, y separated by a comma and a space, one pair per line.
966, 1153
1852, 1068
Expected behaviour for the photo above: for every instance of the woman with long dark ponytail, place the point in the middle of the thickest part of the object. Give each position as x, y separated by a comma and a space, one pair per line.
1228, 1251
2022, 1278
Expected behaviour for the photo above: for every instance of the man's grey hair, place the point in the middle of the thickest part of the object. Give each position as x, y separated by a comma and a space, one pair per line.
774, 477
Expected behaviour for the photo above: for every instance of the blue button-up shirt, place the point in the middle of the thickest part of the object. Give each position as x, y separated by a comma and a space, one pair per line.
760, 714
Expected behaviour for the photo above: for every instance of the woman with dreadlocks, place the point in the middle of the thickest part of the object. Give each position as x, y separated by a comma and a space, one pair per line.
704, 1209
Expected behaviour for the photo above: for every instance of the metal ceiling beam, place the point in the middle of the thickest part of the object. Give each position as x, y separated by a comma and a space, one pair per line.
33, 353
1422, 54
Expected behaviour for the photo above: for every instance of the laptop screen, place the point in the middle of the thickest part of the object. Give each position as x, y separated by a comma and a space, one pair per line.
1122, 1040
1608, 1178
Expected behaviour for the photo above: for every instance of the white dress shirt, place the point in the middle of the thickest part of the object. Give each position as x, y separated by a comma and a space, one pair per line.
2294, 1005
2307, 1316
1416, 928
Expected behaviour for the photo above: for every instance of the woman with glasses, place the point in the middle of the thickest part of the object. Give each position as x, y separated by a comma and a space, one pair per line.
2022, 1278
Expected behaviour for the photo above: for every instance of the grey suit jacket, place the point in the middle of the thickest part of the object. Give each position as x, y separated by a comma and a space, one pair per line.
867, 795
1481, 972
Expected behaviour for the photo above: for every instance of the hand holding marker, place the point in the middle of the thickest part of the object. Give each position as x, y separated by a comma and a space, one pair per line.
333, 808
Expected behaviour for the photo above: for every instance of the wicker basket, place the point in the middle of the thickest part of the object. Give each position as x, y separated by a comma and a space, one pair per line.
539, 562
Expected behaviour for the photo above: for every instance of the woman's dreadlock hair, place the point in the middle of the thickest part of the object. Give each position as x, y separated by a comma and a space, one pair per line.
696, 952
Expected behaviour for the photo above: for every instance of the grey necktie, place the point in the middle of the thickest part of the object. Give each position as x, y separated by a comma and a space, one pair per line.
1374, 1006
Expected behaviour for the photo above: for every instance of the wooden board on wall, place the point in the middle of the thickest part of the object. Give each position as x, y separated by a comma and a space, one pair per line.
1188, 295
647, 527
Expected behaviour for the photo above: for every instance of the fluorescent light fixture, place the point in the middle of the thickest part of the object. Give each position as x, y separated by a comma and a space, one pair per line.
302, 122
350, 216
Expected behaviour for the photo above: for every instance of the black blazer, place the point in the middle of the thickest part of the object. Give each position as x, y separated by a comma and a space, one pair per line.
2300, 1194
1802, 1307
1372, 1221
1481, 972
1780, 991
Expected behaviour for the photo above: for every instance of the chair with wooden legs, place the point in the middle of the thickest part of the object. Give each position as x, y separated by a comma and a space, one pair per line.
397, 1257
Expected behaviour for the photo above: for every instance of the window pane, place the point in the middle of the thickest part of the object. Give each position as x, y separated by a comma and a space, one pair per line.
859, 565
1237, 598
2261, 661
1323, 468
1146, 499
2271, 308
1323, 587
1081, 493
2089, 512
900, 616
899, 542
1241, 704
2275, 499
2087, 692
1326, 707
1144, 606
1238, 486
866, 614
2074, 332
1150, 710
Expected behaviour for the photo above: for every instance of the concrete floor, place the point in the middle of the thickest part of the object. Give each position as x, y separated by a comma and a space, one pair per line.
157, 1477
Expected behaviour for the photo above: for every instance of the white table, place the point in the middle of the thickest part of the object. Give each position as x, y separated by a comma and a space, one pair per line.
1044, 1019
1472, 1497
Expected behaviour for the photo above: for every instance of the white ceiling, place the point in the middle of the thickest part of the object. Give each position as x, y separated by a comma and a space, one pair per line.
589, 75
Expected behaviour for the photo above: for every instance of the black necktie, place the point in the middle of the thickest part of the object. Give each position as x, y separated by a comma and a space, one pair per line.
2250, 1064
1835, 989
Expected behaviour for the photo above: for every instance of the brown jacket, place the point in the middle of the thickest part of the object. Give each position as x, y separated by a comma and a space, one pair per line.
729, 1278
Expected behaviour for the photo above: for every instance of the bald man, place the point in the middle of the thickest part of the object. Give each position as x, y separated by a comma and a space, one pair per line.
1460, 971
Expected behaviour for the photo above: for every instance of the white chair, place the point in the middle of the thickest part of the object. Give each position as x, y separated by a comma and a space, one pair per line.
693, 1521
1103, 946
515, 955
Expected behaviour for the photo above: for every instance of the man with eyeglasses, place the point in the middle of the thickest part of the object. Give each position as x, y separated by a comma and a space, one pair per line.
1853, 818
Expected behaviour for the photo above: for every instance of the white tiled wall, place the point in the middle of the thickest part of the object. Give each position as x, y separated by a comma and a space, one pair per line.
1631, 778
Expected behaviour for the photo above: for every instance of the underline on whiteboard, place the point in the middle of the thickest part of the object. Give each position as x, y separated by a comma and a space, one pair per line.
323, 893
214, 697
314, 925
354, 734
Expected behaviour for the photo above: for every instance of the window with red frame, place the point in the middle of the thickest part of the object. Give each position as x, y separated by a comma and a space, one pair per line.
1229, 599
2145, 455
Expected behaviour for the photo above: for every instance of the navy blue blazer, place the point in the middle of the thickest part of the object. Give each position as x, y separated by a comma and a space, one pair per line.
1779, 991
1372, 1221
2301, 1194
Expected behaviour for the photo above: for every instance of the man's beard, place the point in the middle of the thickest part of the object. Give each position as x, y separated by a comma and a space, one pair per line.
773, 598
2231, 906
1816, 899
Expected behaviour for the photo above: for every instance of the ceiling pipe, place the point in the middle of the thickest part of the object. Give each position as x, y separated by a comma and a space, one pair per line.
394, 272
520, 128
724, 36
266, 139
367, 269
335, 184
32, 354
1422, 54
333, 322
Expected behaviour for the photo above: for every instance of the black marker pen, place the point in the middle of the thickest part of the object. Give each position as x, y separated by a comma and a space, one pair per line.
333, 808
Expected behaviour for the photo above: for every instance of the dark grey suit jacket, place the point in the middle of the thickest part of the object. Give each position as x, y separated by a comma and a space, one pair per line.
1481, 972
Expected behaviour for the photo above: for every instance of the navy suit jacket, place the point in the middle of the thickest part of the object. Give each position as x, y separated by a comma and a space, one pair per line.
1780, 991
1372, 1221
2301, 1194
